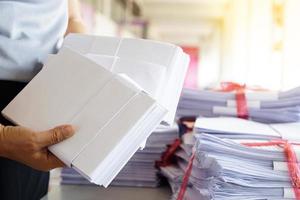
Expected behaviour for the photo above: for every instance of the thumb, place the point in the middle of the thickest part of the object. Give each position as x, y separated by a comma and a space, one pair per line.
54, 162
55, 135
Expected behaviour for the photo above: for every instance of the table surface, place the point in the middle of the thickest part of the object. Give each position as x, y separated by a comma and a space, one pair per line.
66, 192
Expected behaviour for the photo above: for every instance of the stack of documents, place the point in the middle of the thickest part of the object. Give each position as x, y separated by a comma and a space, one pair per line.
110, 89
266, 107
225, 169
140, 171
159, 68
241, 129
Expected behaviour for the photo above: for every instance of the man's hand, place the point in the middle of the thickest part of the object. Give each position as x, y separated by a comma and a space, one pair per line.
30, 148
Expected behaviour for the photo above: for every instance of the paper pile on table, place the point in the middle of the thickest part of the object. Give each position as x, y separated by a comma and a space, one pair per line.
263, 106
225, 169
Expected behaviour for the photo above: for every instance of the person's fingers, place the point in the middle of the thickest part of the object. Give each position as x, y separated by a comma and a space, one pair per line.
55, 135
53, 162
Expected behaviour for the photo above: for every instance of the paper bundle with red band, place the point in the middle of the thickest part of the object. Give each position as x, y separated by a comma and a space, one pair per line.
241, 101
227, 166
240, 97
291, 159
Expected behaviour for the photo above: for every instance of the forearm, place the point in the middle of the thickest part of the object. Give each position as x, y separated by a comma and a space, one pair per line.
5, 139
76, 23
76, 26
2, 152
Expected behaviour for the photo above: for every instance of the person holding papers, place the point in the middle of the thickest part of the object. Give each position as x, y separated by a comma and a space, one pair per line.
29, 31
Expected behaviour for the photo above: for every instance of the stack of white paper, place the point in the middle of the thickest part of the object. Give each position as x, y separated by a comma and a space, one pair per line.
159, 68
266, 107
225, 169
140, 171
235, 128
114, 113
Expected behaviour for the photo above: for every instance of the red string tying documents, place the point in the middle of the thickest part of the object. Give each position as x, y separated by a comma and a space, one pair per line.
292, 162
185, 179
240, 96
168, 155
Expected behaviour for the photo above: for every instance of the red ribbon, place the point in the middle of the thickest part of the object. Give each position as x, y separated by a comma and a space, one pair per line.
168, 155
293, 167
186, 177
241, 102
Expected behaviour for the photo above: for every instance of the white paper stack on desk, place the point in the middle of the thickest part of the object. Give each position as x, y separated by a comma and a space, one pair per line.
241, 129
266, 107
114, 114
225, 169
140, 171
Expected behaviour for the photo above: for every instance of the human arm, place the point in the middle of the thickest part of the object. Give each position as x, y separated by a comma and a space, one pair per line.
75, 22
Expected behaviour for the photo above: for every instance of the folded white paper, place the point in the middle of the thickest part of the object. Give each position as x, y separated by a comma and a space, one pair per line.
159, 68
113, 114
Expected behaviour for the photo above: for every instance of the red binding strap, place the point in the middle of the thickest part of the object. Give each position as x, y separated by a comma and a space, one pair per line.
186, 177
292, 162
240, 96
168, 155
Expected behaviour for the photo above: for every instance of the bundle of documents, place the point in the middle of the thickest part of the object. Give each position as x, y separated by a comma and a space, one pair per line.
140, 171
159, 68
241, 129
114, 107
227, 169
266, 107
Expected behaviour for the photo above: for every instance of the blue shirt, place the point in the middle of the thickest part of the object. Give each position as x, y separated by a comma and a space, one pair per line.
29, 31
